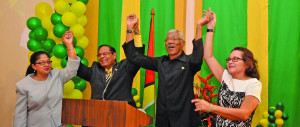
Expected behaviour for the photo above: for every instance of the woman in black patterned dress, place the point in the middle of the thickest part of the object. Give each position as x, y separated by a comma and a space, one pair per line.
240, 89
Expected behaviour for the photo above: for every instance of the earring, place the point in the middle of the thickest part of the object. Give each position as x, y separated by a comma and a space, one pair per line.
33, 71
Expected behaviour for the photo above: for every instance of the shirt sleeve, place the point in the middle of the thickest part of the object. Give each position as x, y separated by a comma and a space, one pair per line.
139, 59
254, 89
20, 117
70, 70
226, 77
138, 41
197, 55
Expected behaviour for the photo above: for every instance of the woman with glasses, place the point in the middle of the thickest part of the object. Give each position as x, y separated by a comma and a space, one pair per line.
40, 93
240, 89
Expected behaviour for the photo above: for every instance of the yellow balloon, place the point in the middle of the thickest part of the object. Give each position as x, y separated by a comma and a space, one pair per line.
42, 10
264, 122
278, 114
136, 98
51, 35
29, 55
69, 87
78, 8
77, 30
56, 62
82, 20
76, 94
70, 1
69, 19
266, 114
47, 24
279, 122
61, 7
58, 41
138, 104
55, 1
83, 42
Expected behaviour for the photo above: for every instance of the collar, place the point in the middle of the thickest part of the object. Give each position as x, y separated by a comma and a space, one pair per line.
181, 57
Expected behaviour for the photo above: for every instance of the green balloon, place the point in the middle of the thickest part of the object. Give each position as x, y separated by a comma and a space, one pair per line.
271, 111
64, 62
76, 79
285, 116
69, 125
48, 44
271, 118
56, 18
33, 23
41, 49
280, 106
272, 125
31, 35
133, 92
40, 34
258, 125
81, 85
84, 61
34, 45
84, 1
50, 54
59, 29
60, 51
79, 51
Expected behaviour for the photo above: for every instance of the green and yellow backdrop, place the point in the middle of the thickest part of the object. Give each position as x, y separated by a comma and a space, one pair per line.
269, 28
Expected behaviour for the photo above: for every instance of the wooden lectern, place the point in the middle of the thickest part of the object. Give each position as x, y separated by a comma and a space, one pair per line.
99, 113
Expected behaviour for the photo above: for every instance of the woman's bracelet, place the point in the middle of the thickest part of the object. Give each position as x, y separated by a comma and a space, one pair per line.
210, 107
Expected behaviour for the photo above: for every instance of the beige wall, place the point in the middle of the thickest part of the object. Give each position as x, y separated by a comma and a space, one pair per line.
13, 56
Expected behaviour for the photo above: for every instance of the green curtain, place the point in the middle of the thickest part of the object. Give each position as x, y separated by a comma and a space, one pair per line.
110, 12
163, 22
284, 57
230, 30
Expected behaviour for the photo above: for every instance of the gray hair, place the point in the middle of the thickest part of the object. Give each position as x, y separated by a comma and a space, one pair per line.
177, 31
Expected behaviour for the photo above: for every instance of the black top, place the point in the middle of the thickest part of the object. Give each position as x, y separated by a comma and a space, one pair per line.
120, 85
175, 85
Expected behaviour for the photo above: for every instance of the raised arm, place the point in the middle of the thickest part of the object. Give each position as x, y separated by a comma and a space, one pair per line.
210, 60
131, 22
68, 40
73, 63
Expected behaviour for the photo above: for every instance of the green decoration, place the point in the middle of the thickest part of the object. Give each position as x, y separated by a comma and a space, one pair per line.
48, 44
76, 79
285, 116
133, 92
40, 34
56, 18
81, 85
60, 51
59, 29
84, 61
79, 51
271, 118
64, 62
33, 23
34, 45
280, 106
31, 35
271, 111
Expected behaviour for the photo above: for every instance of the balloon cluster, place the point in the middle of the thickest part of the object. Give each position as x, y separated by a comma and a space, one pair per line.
47, 29
274, 117
136, 97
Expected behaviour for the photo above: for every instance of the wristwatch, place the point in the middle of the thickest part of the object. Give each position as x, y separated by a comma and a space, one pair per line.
210, 30
129, 31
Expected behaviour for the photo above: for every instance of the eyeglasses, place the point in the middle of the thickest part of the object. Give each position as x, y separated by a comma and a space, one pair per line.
44, 62
104, 54
173, 39
234, 59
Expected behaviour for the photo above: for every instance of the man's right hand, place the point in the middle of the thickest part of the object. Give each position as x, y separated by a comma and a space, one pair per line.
204, 20
131, 21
